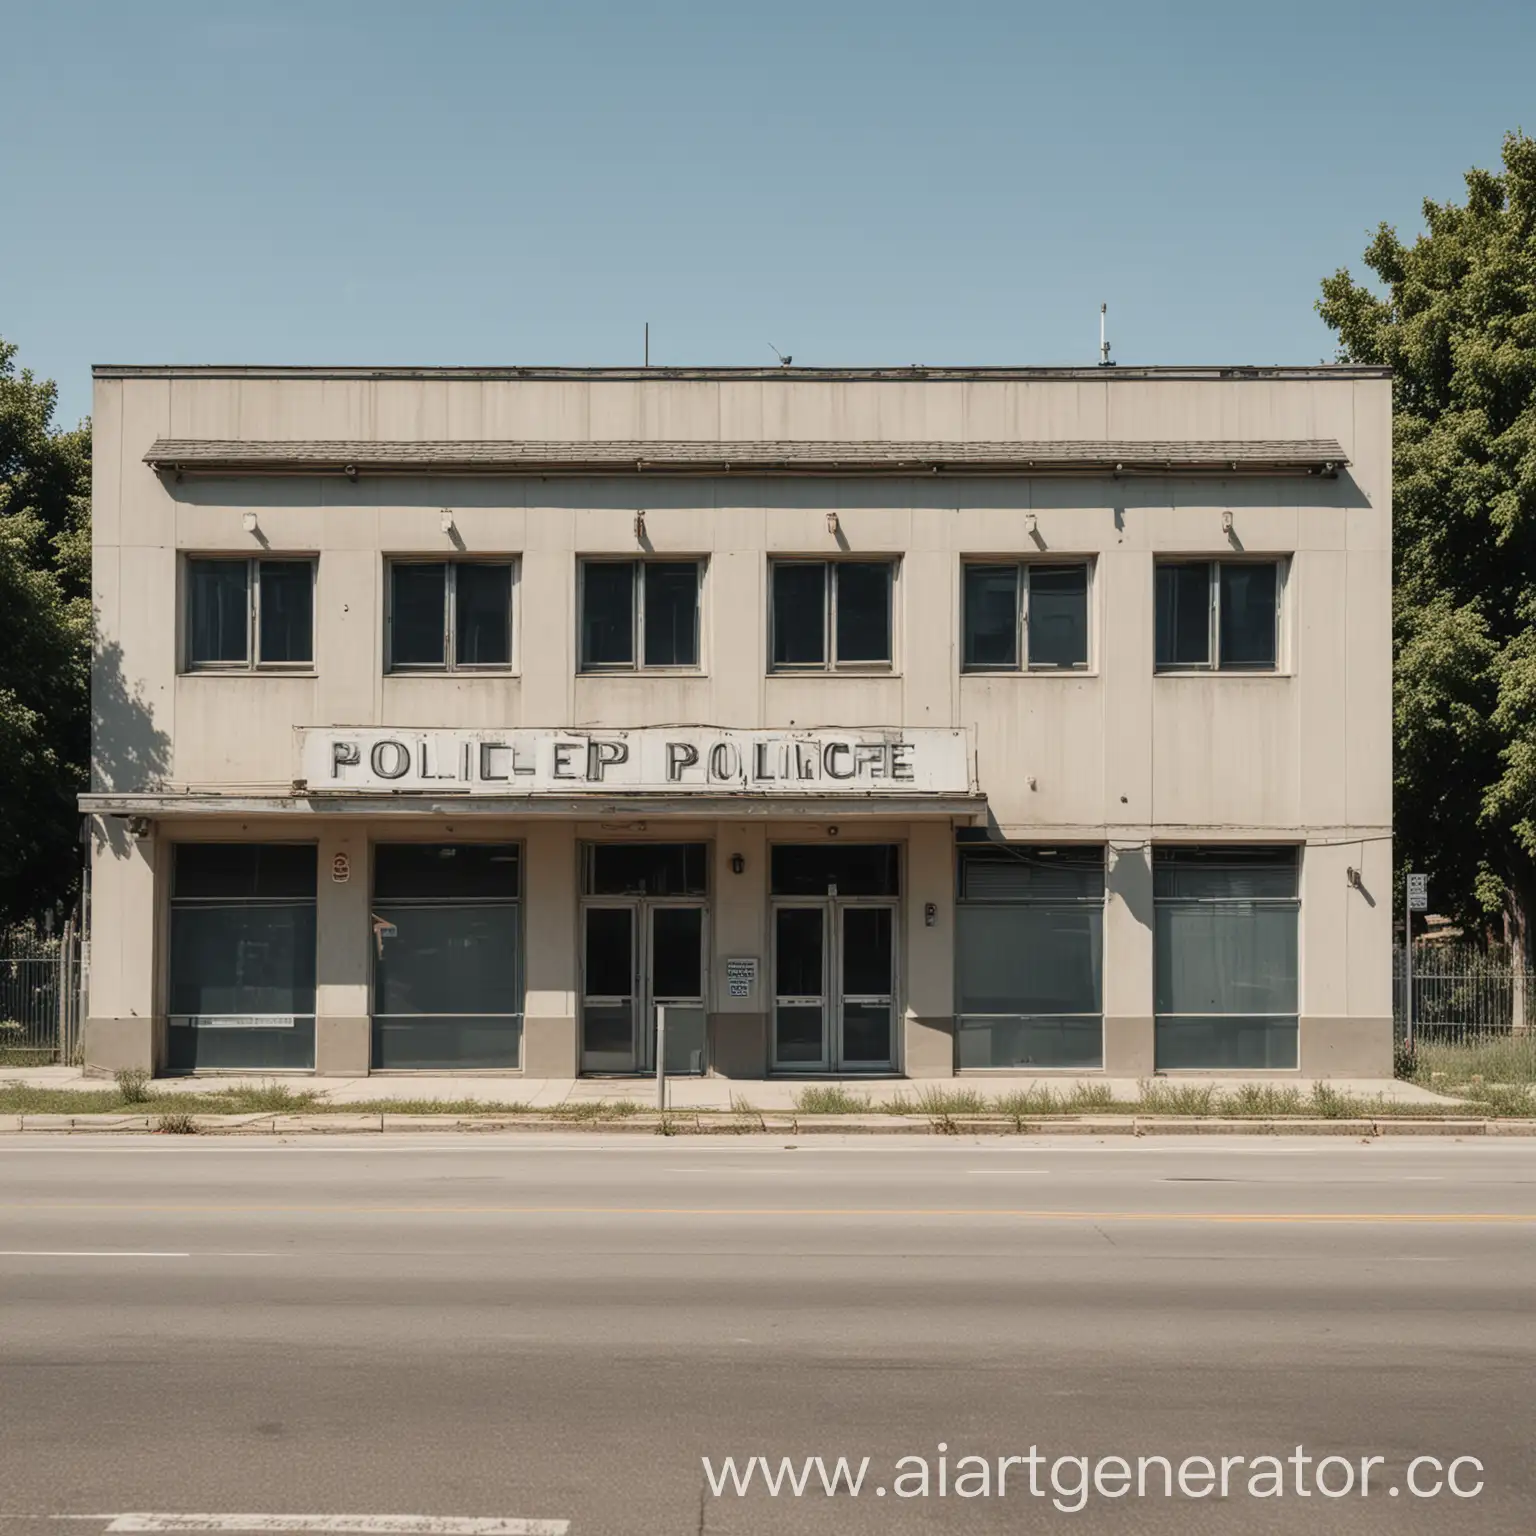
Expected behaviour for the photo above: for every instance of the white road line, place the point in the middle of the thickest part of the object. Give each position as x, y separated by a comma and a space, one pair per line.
136, 1524
70, 1253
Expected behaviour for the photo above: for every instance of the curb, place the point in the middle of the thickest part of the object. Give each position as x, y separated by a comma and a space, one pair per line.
688, 1123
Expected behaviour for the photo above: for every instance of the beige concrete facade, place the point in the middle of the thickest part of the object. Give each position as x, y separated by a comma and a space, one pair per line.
1115, 755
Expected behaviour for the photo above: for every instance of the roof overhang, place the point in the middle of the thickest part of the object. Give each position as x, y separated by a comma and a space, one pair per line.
728, 807
352, 458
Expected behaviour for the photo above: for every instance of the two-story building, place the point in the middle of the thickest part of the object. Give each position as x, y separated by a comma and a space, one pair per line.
919, 721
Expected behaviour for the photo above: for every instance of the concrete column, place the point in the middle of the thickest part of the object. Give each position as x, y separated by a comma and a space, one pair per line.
738, 1026
343, 1034
123, 1027
1128, 960
929, 1015
551, 950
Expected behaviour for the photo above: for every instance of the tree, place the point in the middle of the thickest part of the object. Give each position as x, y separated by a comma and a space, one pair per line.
1457, 324
45, 643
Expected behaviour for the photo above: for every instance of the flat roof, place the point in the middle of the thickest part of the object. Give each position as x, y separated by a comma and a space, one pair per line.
999, 373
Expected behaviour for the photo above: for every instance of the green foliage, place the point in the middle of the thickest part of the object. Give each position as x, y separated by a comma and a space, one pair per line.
133, 1085
45, 640
1457, 324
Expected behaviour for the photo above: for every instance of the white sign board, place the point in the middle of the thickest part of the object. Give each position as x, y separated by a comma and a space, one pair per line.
1418, 893
667, 760
741, 976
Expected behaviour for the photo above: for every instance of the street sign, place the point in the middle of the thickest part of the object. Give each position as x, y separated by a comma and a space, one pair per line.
1418, 893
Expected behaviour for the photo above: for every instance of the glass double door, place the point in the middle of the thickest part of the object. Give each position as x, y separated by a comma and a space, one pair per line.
834, 970
638, 953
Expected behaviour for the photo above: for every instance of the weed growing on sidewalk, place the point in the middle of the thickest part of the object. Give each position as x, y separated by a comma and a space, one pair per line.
132, 1085
176, 1124
595, 1109
831, 1099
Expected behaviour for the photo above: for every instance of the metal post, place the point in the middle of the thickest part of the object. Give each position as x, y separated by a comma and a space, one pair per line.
661, 1056
1407, 965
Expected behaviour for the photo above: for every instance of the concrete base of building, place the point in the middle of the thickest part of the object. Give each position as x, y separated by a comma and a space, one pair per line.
929, 1046
1346, 1047
550, 1046
1129, 1045
343, 1045
738, 1045
119, 1045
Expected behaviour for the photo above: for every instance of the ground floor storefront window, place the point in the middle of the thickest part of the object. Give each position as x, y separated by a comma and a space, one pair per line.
447, 955
1226, 957
1029, 942
242, 957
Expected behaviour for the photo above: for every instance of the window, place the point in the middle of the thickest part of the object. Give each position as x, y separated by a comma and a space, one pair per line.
638, 614
1025, 615
1222, 615
447, 955
450, 615
242, 956
1029, 945
830, 614
247, 614
1225, 950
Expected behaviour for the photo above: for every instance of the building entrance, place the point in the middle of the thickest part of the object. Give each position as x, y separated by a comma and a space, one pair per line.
834, 957
644, 934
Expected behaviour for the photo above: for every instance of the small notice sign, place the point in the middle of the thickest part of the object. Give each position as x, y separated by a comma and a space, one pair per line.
741, 977
1418, 893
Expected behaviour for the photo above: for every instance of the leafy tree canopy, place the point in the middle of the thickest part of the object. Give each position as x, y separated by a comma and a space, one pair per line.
1457, 324
45, 642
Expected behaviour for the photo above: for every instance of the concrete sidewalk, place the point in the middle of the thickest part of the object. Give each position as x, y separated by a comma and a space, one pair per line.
690, 1093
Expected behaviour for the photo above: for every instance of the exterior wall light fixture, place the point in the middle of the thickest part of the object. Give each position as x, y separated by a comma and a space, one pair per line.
445, 521
738, 864
640, 527
832, 524
248, 522
1226, 521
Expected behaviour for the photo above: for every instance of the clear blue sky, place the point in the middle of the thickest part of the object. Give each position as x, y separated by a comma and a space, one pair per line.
854, 181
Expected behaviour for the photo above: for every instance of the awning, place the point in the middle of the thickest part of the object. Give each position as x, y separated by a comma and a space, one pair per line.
731, 807
1312, 456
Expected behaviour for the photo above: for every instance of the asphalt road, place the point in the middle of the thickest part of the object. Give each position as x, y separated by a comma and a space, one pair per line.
559, 1328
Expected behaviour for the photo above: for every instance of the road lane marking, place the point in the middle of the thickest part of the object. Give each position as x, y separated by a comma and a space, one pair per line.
80, 1253
137, 1524
1380, 1218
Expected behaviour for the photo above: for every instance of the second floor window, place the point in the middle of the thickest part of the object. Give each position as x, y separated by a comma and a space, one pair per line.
1218, 615
450, 615
1025, 615
830, 615
638, 614
245, 615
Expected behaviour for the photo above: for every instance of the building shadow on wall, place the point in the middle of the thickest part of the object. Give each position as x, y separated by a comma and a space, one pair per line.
128, 751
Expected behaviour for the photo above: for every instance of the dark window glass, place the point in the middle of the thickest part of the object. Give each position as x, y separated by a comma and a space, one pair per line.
1022, 873
482, 616
417, 610
671, 613
607, 614
645, 869
428, 871
866, 1033
799, 615
991, 616
1248, 615
446, 958
867, 952
1225, 873
799, 935
218, 611
241, 958
677, 952
863, 611
1184, 614
1029, 958
855, 869
610, 970
1058, 615
244, 870
287, 611
797, 1035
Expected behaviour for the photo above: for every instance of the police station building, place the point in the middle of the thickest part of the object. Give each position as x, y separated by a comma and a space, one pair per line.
920, 721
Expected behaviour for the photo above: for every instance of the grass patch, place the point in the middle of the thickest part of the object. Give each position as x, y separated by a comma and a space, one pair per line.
132, 1084
176, 1123
595, 1109
1159, 1098
831, 1099
459, 1107
952, 1101
1447, 1066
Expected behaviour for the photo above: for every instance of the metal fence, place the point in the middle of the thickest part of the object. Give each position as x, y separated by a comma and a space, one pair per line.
1461, 993
42, 981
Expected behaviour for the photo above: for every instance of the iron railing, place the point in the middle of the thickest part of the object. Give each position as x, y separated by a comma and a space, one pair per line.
1461, 993
42, 981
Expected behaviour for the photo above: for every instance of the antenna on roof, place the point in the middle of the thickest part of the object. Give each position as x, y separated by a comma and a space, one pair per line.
647, 343
1103, 344
784, 359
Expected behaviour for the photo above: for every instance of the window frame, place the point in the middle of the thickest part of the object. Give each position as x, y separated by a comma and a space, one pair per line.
829, 664
451, 616
1021, 592
638, 664
1213, 663
252, 662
